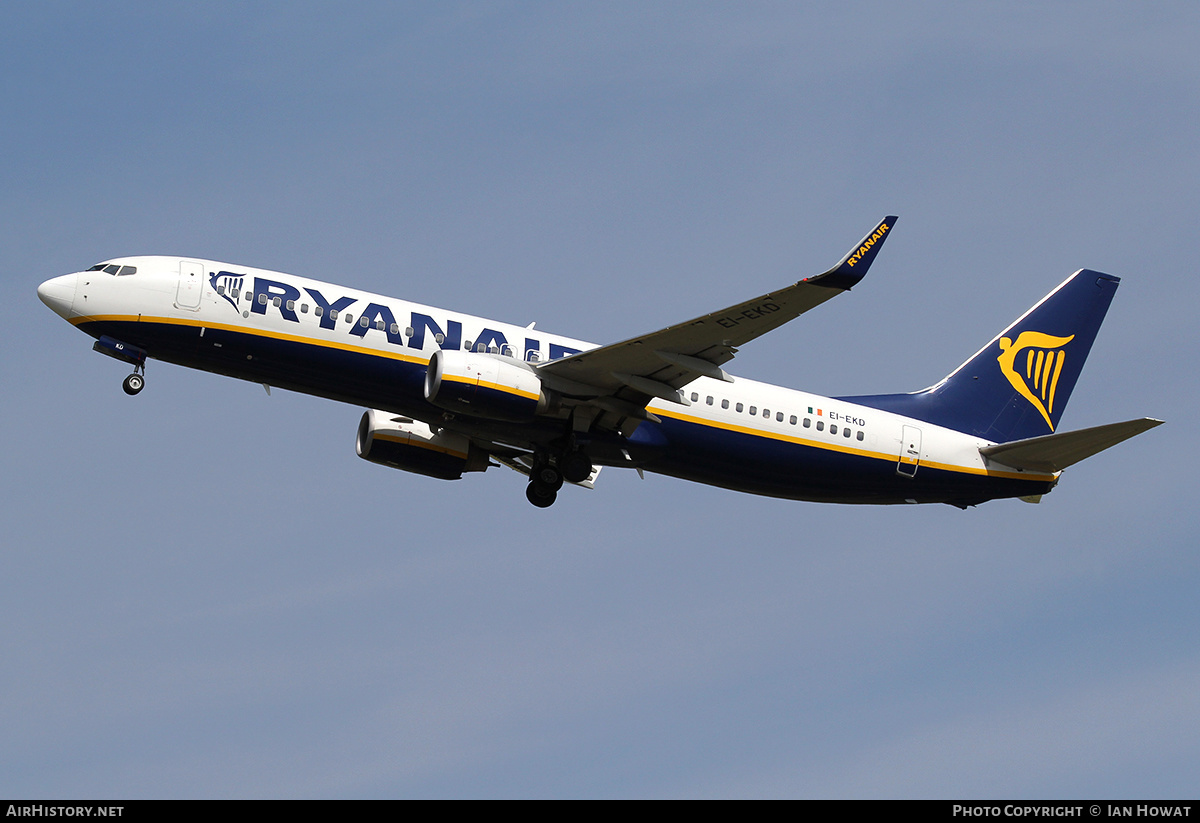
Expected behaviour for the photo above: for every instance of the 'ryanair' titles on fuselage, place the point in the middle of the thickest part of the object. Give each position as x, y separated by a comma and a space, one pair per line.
372, 317
875, 237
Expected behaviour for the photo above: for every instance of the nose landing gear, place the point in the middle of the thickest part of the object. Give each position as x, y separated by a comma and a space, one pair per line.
111, 347
133, 384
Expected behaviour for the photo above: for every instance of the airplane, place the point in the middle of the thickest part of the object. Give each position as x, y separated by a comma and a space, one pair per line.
448, 394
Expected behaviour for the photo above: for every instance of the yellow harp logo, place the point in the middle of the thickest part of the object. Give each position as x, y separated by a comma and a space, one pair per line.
1041, 364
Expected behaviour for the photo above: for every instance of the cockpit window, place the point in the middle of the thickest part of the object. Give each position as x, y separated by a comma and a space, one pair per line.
113, 268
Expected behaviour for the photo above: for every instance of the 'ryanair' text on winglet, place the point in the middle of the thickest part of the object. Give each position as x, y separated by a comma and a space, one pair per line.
853, 267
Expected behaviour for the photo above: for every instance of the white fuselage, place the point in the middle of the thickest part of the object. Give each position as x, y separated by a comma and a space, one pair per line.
197, 312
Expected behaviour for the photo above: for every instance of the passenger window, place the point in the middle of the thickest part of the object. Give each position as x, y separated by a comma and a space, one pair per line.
333, 314
807, 422
739, 408
395, 329
846, 432
320, 310
467, 347
695, 397
767, 413
277, 302
408, 332
753, 411
221, 289
349, 318
792, 420
291, 305
820, 425
438, 338
778, 417
534, 355
235, 294
304, 308
507, 351
709, 400
832, 428
249, 296
262, 300
724, 404
363, 321
860, 435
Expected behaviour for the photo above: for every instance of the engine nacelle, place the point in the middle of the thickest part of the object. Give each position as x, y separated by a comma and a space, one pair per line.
412, 446
484, 385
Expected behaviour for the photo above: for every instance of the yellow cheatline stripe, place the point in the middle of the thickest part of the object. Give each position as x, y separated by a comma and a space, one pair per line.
773, 435
274, 335
420, 444
837, 447
991, 472
508, 390
485, 384
331, 344
454, 378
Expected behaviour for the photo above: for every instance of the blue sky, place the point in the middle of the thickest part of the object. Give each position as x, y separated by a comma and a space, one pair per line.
204, 593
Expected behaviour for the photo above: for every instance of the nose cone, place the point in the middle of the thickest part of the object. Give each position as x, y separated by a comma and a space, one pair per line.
59, 294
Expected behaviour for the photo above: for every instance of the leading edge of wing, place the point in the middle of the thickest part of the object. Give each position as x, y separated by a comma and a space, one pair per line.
675, 356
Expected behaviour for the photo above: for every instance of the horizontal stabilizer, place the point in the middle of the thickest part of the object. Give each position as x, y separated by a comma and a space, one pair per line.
1054, 452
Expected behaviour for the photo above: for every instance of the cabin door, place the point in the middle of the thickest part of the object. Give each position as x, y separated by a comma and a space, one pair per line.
191, 285
910, 451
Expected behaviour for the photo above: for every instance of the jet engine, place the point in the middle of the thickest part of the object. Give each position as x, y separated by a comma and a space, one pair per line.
412, 446
484, 385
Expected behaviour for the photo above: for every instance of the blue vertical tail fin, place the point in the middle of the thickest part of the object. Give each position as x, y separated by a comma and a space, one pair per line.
1018, 384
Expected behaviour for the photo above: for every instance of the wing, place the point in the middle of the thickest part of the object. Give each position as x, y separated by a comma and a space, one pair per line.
623, 377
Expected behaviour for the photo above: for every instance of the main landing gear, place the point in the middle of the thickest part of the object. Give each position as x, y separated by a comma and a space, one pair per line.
546, 477
544, 483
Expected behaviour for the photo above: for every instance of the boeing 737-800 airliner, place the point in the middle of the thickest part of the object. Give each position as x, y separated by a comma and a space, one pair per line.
448, 393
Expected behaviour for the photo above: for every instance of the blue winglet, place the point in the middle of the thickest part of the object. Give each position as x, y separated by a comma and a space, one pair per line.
854, 265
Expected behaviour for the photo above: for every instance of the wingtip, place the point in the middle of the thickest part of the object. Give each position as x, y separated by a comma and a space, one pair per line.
853, 267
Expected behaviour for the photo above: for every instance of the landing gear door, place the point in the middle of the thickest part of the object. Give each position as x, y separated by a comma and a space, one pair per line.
191, 285
910, 451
